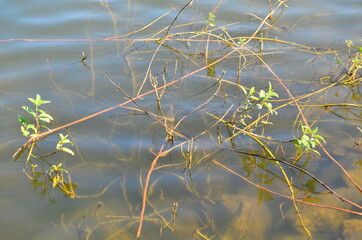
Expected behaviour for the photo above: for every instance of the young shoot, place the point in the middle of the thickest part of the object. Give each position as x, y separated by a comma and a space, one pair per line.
211, 20
39, 115
260, 99
32, 129
308, 141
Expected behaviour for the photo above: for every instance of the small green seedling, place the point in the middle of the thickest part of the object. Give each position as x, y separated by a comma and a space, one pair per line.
211, 20
260, 99
33, 129
257, 100
308, 141
242, 41
39, 115
41, 118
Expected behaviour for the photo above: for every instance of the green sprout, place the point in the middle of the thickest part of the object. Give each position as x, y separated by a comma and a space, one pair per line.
39, 115
260, 99
308, 141
41, 118
211, 20
255, 101
33, 129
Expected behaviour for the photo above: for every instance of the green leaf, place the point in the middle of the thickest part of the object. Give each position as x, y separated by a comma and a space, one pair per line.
305, 138
23, 120
273, 94
64, 139
262, 94
313, 144
244, 90
56, 168
62, 170
43, 114
24, 131
29, 110
359, 49
253, 98
67, 150
271, 91
210, 19
320, 137
32, 127
315, 151
251, 91
32, 100
38, 101
259, 106
242, 40
304, 143
349, 43
45, 117
312, 132
266, 122
268, 105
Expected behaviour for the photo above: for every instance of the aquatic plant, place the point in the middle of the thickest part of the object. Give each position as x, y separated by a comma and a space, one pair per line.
32, 130
236, 117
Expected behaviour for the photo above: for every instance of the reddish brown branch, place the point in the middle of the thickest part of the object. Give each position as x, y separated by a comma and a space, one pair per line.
145, 188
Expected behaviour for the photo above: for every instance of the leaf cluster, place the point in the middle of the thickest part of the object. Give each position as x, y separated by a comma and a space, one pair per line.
309, 140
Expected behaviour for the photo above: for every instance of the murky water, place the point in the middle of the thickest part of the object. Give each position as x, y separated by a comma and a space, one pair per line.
42, 45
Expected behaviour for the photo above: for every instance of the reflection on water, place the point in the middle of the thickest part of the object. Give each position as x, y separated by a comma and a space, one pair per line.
214, 139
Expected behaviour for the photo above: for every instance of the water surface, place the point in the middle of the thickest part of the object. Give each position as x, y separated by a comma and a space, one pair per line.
41, 47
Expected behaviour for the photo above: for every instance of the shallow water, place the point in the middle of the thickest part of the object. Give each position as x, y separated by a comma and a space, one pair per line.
41, 48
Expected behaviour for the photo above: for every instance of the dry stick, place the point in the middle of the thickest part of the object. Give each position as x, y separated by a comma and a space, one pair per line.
145, 189
158, 48
151, 39
127, 95
144, 27
174, 20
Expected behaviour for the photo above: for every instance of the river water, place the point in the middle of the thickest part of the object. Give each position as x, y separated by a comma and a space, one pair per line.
190, 196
